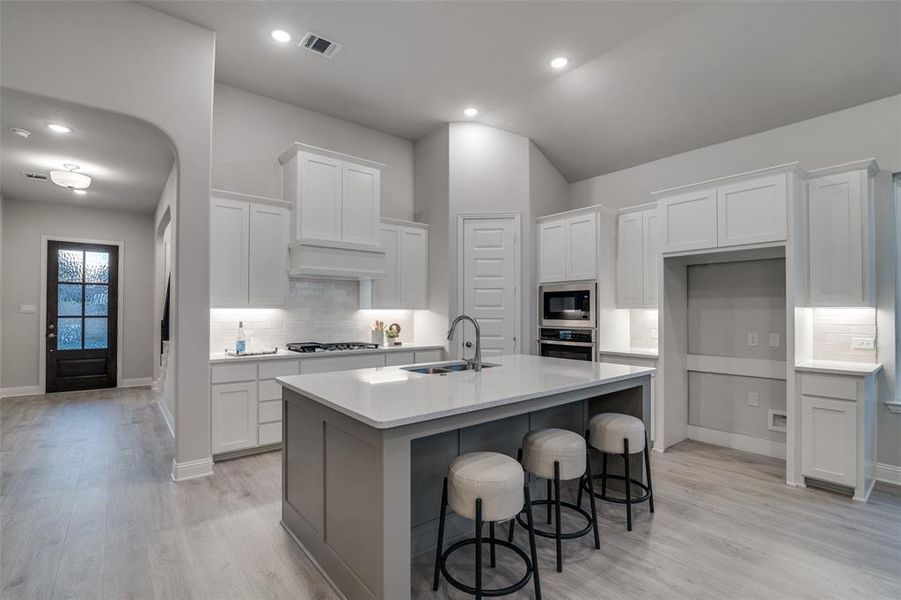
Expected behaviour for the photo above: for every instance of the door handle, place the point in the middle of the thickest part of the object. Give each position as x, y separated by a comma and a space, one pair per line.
51, 335
468, 344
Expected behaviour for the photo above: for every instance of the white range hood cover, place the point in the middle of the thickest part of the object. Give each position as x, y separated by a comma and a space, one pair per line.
335, 260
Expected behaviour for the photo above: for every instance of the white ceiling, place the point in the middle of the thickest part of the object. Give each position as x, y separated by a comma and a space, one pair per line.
128, 161
647, 79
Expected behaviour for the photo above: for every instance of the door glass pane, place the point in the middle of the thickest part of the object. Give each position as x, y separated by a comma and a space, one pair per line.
95, 333
96, 267
96, 300
70, 265
68, 300
69, 336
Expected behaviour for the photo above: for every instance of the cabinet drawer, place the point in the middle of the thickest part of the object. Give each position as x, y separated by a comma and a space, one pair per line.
270, 411
424, 356
271, 370
829, 386
399, 358
238, 372
341, 363
270, 433
270, 390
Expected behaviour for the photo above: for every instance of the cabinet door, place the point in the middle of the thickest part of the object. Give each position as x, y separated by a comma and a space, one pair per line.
228, 253
360, 204
582, 247
268, 256
325, 364
650, 230
629, 253
234, 416
688, 221
836, 243
319, 204
751, 212
552, 251
829, 440
386, 291
414, 279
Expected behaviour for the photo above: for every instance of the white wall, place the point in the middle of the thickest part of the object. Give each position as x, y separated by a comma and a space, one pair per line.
24, 223
251, 131
133, 60
868, 130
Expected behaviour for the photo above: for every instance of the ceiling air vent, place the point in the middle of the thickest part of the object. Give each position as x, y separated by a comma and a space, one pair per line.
319, 45
35, 175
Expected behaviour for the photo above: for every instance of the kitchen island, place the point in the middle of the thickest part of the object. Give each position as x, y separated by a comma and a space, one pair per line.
365, 451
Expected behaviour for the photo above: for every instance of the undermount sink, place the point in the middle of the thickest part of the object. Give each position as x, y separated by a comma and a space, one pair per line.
444, 368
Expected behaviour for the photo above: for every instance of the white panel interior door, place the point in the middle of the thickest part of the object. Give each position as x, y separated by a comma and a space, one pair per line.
268, 255
360, 204
490, 284
228, 253
319, 208
629, 251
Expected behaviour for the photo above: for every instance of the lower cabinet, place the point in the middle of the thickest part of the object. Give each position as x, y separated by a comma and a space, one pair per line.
234, 416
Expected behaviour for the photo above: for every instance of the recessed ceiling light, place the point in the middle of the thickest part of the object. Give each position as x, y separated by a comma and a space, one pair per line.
280, 35
559, 62
79, 192
471, 111
69, 178
59, 128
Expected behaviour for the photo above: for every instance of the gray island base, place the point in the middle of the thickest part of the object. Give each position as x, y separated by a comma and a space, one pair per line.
365, 451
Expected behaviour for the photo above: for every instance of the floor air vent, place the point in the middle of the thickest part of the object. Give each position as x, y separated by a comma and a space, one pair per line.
319, 45
36, 176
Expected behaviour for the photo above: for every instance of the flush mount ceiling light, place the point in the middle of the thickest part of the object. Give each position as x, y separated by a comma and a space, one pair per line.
22, 133
280, 35
69, 178
559, 62
471, 111
79, 192
58, 128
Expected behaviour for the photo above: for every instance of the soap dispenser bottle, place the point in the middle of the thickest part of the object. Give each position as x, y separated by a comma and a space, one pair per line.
241, 341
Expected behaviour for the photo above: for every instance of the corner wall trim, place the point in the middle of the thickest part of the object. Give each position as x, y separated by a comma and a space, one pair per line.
135, 382
167, 415
23, 390
888, 473
737, 441
192, 469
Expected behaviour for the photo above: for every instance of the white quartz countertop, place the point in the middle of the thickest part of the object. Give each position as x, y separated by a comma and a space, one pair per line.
386, 397
282, 354
629, 351
838, 367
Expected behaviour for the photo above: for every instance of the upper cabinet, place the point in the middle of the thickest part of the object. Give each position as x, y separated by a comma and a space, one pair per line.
568, 247
248, 252
405, 284
746, 209
840, 235
637, 253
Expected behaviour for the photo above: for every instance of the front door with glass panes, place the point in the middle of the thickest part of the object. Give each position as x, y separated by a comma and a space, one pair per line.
82, 290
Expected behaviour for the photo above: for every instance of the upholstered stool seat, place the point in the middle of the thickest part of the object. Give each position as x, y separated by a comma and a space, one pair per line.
608, 430
542, 448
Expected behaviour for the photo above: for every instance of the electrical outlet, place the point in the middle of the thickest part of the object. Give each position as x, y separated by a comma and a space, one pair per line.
27, 309
753, 399
774, 340
863, 343
753, 338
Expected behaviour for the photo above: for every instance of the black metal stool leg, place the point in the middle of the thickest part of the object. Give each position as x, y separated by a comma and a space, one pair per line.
549, 498
510, 529
558, 529
441, 518
628, 484
604, 473
647, 469
591, 500
478, 549
491, 535
533, 551
579, 498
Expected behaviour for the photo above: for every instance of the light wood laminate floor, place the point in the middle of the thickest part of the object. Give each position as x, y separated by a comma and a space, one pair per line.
88, 510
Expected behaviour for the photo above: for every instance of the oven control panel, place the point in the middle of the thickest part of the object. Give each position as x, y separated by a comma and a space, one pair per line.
567, 335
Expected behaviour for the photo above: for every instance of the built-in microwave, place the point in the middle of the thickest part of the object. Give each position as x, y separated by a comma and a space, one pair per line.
568, 304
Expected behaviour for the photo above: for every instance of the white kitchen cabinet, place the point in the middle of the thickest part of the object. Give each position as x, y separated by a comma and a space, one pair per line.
750, 212
248, 253
637, 249
395, 358
345, 362
229, 240
688, 221
840, 235
568, 247
360, 203
650, 229
405, 284
319, 207
427, 356
234, 416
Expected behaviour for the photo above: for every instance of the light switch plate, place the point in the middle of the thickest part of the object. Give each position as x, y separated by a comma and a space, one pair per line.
863, 343
753, 338
753, 399
774, 340
27, 309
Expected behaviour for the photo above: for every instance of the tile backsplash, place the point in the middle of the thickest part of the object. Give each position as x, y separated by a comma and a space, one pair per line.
643, 328
317, 310
834, 330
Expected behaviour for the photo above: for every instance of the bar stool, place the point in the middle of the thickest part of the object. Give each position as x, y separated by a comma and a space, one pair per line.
614, 433
486, 486
558, 455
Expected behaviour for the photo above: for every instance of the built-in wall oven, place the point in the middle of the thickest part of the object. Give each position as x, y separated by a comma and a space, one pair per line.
574, 344
569, 305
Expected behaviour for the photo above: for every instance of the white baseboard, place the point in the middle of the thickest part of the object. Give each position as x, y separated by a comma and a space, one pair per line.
135, 382
737, 441
167, 415
192, 469
888, 473
23, 390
